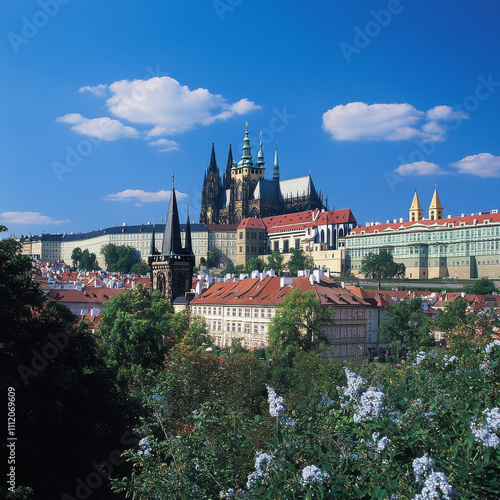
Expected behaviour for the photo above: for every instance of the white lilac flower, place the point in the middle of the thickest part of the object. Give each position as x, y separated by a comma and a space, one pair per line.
145, 448
369, 406
227, 494
312, 475
486, 432
264, 462
491, 346
486, 367
325, 402
381, 444
436, 486
277, 405
422, 467
420, 357
255, 479
449, 360
355, 385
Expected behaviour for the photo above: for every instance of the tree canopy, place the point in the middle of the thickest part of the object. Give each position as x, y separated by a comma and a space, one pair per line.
254, 264
482, 286
298, 324
275, 261
381, 266
298, 261
407, 327
120, 258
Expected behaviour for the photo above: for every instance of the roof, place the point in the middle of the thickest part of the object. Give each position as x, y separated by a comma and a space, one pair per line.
297, 186
221, 227
90, 295
468, 220
252, 222
266, 189
269, 292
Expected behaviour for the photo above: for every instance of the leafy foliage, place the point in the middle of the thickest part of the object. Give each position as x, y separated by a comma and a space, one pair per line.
298, 261
482, 286
214, 258
297, 324
255, 264
88, 261
381, 266
120, 258
140, 268
275, 261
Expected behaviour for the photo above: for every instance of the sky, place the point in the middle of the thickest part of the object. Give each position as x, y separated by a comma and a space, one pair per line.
101, 102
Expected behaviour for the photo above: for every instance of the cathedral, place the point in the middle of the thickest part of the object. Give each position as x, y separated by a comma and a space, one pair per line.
171, 269
244, 192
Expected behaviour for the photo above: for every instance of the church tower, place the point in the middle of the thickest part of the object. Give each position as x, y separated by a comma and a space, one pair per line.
172, 268
435, 208
416, 212
212, 187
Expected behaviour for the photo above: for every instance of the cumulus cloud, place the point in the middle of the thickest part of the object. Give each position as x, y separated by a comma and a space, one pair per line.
103, 128
482, 165
141, 196
357, 121
98, 90
164, 102
165, 145
419, 168
28, 218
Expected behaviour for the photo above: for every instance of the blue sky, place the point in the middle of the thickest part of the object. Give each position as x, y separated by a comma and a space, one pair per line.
102, 101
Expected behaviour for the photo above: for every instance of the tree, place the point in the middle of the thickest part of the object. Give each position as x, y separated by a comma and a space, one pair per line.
299, 261
88, 261
140, 268
254, 264
76, 256
239, 269
52, 363
381, 266
298, 324
213, 258
407, 327
483, 286
275, 261
120, 258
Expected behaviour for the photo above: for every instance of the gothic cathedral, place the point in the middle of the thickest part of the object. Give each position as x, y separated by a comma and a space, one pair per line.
244, 192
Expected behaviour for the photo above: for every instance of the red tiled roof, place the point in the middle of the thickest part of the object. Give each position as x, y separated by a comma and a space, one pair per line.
89, 295
252, 222
455, 221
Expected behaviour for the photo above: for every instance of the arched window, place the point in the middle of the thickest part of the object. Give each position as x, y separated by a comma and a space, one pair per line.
328, 236
239, 193
322, 238
341, 232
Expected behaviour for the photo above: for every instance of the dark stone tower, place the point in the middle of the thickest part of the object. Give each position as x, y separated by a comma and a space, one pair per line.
172, 268
212, 187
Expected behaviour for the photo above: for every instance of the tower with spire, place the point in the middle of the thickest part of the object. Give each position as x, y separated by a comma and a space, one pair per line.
171, 268
416, 213
435, 208
244, 192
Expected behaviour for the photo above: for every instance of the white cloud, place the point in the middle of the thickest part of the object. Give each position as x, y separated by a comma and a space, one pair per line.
482, 165
103, 128
164, 102
358, 121
419, 168
29, 218
445, 113
141, 196
165, 145
98, 90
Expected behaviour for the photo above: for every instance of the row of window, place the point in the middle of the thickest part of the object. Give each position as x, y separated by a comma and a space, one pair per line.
245, 312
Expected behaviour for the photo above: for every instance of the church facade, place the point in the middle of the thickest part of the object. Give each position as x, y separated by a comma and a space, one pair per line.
244, 192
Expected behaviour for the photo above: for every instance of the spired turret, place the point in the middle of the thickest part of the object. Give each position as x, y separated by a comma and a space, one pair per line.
246, 157
276, 167
260, 156
435, 208
416, 212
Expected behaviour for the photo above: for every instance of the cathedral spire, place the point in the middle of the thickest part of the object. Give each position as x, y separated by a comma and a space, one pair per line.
152, 248
260, 156
172, 235
226, 182
435, 208
416, 212
213, 164
276, 169
246, 157
188, 246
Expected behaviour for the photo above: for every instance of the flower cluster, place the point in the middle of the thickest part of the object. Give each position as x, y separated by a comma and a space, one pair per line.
277, 405
378, 444
264, 463
486, 433
355, 385
369, 405
436, 486
227, 494
325, 402
312, 475
422, 467
449, 360
489, 348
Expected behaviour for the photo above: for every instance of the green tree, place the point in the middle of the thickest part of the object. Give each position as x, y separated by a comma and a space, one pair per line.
407, 327
203, 261
76, 256
298, 261
254, 264
298, 324
120, 258
234, 269
483, 286
381, 266
88, 261
66, 399
140, 268
213, 258
275, 261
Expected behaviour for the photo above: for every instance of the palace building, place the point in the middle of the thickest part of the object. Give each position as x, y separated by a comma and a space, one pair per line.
244, 192
434, 247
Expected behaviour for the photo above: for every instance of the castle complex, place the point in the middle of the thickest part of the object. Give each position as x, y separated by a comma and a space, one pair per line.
244, 192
